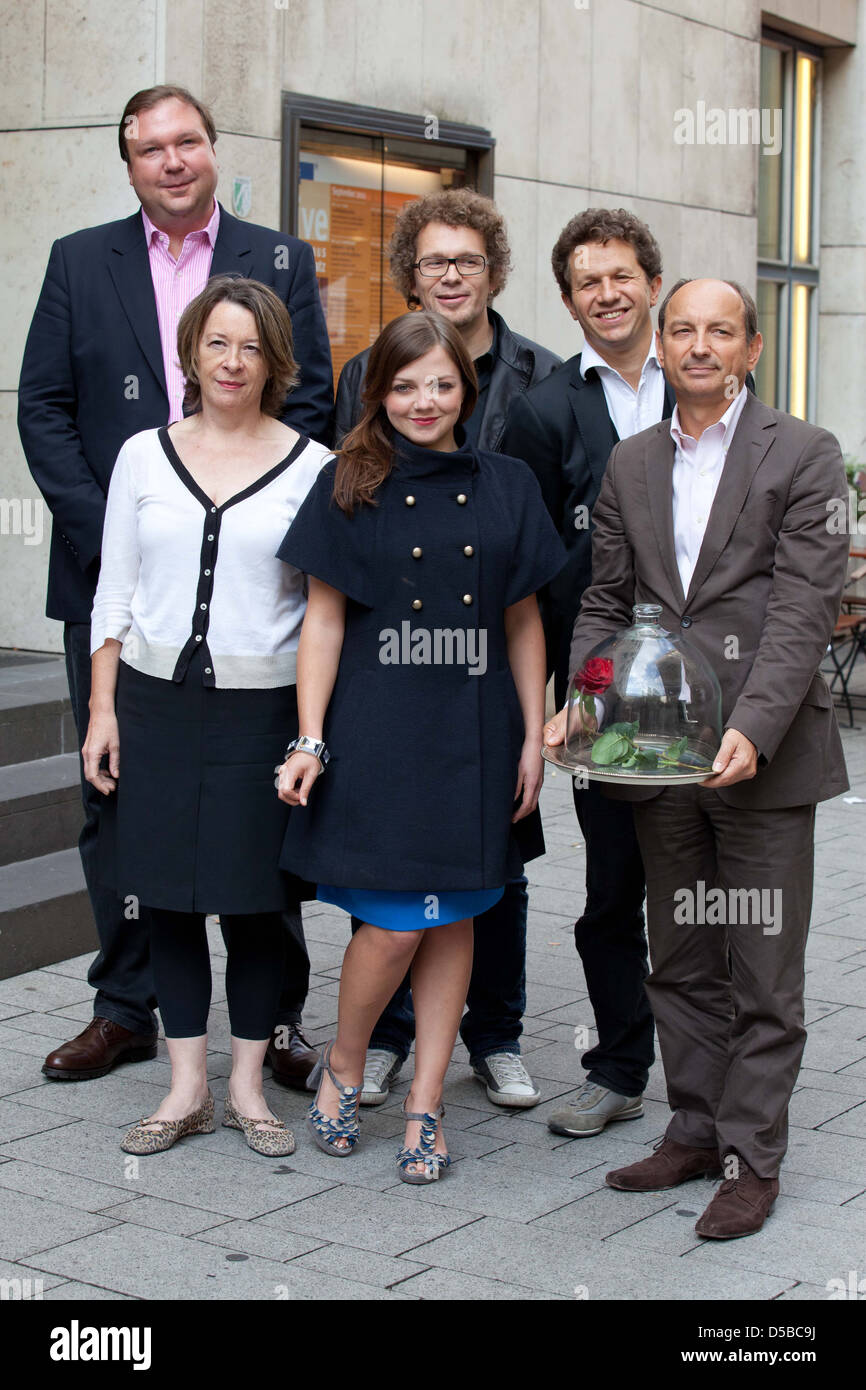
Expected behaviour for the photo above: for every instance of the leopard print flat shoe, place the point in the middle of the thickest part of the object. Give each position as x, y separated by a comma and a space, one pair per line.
154, 1136
270, 1137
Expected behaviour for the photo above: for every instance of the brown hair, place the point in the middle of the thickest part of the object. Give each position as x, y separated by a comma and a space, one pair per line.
367, 454
273, 325
456, 207
602, 225
750, 309
149, 97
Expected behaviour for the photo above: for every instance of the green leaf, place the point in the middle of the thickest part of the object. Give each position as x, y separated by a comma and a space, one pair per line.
611, 748
673, 753
647, 759
628, 729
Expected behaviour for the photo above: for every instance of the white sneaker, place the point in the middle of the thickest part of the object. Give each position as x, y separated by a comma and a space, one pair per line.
380, 1069
507, 1080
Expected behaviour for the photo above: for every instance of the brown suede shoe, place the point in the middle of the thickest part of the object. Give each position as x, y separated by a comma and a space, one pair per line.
671, 1164
290, 1057
740, 1207
95, 1051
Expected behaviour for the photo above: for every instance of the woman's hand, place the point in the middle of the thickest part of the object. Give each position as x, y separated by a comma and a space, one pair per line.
530, 775
297, 775
102, 737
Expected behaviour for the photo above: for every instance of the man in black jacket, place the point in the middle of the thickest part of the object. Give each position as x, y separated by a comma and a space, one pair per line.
100, 365
608, 268
449, 253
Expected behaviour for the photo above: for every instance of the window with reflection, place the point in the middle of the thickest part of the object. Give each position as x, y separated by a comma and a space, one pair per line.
788, 228
347, 172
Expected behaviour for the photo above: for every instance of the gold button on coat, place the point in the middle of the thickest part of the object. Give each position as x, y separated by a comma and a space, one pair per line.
469, 550
410, 501
467, 599
417, 552
462, 498
416, 604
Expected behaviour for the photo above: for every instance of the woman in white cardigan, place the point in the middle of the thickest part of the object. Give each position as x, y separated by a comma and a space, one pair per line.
194, 640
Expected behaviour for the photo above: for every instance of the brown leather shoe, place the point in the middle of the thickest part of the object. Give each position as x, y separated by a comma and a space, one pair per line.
671, 1164
740, 1207
290, 1057
95, 1051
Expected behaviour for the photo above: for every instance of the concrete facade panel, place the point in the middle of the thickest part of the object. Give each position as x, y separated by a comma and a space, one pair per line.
241, 66
615, 105
25, 533
74, 178
565, 75
96, 56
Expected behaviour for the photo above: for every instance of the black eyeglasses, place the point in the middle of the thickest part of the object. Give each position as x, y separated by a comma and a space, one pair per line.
434, 267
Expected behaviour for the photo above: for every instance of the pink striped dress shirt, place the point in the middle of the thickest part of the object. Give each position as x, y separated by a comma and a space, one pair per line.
175, 284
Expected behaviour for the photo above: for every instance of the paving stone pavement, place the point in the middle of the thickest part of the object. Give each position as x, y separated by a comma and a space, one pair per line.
523, 1213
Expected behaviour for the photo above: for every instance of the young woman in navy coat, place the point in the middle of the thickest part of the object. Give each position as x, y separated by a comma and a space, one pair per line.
421, 695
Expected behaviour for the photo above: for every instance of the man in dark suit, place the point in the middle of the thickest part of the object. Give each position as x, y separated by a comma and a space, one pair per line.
100, 365
722, 518
608, 267
449, 253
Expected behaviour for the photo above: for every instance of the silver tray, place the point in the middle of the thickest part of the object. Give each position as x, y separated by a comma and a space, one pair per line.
559, 757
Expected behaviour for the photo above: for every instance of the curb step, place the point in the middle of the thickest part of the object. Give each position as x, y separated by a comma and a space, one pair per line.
40, 807
45, 913
35, 713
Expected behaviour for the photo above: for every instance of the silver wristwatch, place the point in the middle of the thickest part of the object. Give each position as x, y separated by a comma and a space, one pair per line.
309, 745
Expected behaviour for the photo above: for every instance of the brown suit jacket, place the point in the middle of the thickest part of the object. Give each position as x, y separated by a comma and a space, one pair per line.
770, 573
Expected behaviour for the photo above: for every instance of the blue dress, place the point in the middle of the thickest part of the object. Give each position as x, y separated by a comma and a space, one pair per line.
409, 911
424, 726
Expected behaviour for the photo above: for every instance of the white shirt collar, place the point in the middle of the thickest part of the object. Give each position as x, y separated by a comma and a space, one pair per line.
590, 358
728, 421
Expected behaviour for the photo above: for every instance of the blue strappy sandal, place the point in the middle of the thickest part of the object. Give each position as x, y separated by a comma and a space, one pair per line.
324, 1130
434, 1163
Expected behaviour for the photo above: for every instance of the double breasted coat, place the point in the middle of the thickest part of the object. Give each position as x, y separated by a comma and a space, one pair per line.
424, 726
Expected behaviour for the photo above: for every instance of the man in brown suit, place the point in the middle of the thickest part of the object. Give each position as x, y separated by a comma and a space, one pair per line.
723, 516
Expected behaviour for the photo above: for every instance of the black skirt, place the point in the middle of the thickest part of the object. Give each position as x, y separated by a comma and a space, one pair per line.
195, 824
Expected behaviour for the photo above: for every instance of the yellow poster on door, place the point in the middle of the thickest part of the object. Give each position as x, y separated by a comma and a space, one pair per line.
349, 228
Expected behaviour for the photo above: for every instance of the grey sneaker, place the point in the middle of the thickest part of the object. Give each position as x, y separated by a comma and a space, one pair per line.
592, 1108
507, 1080
380, 1069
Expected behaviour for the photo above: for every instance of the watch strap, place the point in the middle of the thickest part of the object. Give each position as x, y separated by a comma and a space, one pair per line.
305, 744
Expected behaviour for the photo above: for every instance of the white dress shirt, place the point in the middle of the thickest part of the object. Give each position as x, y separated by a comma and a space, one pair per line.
181, 575
630, 410
698, 465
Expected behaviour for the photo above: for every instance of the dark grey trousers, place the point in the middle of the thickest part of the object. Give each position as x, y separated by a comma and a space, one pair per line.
726, 985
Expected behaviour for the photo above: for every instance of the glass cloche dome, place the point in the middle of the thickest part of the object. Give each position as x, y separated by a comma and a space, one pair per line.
645, 707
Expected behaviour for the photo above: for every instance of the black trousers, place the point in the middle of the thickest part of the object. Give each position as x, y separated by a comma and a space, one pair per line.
121, 972
610, 935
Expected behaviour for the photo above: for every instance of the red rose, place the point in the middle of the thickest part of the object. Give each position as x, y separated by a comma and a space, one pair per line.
596, 676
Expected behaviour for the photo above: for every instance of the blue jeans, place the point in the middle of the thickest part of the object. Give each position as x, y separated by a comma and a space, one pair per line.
497, 988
